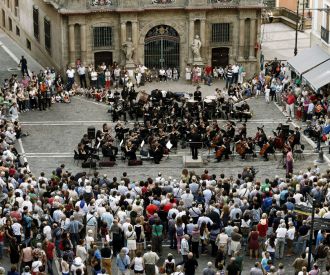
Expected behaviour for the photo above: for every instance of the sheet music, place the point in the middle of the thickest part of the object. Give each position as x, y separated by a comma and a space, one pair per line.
121, 143
169, 145
142, 144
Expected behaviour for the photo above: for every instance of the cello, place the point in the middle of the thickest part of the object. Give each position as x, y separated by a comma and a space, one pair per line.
220, 151
241, 147
264, 149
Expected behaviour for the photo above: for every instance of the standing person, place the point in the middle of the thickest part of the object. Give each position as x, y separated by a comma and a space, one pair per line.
195, 238
131, 241
190, 265
23, 65
123, 262
185, 248
106, 256
267, 93
137, 263
70, 75
194, 143
49, 249
82, 76
253, 242
157, 237
209, 270
229, 76
289, 163
232, 268
150, 260
281, 232
290, 101
188, 73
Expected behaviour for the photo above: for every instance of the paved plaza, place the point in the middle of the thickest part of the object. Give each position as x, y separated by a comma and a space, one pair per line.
55, 133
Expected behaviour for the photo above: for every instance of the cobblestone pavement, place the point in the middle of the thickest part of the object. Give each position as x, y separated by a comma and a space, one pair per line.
55, 133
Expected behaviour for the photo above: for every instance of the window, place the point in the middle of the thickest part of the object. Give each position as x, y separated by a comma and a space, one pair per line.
102, 36
10, 24
16, 8
3, 18
28, 44
36, 22
221, 32
47, 34
18, 31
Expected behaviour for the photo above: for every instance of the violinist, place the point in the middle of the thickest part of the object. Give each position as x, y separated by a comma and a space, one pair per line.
130, 150
242, 131
156, 151
108, 150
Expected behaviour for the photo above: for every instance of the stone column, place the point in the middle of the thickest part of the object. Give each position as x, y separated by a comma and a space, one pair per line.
83, 43
252, 38
203, 40
123, 32
191, 39
135, 40
72, 52
241, 38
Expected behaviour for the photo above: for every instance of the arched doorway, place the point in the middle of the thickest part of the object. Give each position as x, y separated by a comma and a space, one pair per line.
220, 57
100, 57
162, 47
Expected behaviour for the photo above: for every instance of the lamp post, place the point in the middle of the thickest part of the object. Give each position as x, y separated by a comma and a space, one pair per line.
297, 25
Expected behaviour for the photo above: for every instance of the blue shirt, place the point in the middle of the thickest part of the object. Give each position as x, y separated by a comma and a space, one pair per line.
122, 263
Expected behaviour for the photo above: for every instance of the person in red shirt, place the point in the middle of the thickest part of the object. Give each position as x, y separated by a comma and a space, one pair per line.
262, 229
151, 209
290, 100
49, 249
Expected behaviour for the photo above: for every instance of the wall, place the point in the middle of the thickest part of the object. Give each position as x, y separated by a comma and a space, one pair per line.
25, 23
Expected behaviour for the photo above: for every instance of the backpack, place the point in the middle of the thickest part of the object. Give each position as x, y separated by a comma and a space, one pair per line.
179, 231
169, 268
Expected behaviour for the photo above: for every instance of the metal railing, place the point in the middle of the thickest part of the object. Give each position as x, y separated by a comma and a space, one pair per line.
325, 35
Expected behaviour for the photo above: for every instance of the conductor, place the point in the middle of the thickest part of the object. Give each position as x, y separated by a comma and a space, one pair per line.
194, 140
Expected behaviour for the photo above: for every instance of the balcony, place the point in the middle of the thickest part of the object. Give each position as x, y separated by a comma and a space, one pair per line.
102, 4
325, 35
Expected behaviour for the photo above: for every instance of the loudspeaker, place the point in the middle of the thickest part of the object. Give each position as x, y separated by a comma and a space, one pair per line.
285, 129
88, 164
107, 163
91, 132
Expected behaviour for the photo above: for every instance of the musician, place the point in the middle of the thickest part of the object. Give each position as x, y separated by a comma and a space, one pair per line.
108, 150
81, 152
270, 149
198, 94
244, 111
156, 151
223, 150
194, 140
242, 131
261, 137
130, 150
297, 136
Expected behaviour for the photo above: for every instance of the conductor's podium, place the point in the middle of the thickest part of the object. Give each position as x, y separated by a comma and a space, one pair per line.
188, 162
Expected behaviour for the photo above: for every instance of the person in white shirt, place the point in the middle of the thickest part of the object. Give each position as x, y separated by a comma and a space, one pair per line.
290, 237
82, 76
70, 74
162, 75
281, 233
93, 78
187, 198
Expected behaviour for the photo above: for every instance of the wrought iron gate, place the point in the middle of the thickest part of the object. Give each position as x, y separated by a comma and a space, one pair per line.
162, 48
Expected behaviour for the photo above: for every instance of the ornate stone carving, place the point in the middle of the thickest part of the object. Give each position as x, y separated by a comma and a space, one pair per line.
162, 1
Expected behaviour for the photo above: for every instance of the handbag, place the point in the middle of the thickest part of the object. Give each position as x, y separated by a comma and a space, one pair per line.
324, 137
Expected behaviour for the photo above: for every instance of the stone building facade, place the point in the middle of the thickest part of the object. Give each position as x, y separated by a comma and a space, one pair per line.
158, 32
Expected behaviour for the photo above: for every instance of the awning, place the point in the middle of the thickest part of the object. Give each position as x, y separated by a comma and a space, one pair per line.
308, 59
319, 76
